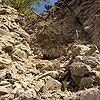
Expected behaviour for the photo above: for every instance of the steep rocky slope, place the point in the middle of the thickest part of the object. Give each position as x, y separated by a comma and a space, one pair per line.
49, 58
53, 32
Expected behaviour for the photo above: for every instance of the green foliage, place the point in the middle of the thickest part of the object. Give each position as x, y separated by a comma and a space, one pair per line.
47, 7
25, 6
64, 5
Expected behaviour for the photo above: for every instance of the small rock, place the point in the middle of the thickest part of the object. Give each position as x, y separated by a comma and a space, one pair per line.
53, 74
91, 51
25, 96
2, 83
4, 63
3, 91
80, 69
34, 71
8, 48
52, 84
48, 68
39, 86
39, 66
87, 82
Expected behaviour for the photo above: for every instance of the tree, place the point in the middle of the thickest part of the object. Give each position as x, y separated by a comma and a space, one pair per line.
25, 6
47, 7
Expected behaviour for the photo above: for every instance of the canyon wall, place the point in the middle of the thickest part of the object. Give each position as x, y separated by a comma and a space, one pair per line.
87, 13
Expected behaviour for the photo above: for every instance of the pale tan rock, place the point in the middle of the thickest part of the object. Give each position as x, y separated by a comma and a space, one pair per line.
0, 1
17, 89
32, 91
3, 11
26, 96
25, 47
2, 74
19, 55
39, 66
3, 32
52, 84
53, 74
34, 71
3, 91
48, 68
2, 83
5, 63
64, 83
39, 86
4, 27
97, 68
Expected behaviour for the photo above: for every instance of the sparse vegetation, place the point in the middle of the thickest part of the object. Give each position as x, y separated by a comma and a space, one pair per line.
25, 6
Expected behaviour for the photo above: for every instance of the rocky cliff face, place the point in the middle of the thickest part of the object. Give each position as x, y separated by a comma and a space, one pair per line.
88, 14
53, 32
48, 58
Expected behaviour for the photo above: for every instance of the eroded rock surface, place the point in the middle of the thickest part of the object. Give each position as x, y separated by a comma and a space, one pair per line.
58, 62
51, 34
88, 14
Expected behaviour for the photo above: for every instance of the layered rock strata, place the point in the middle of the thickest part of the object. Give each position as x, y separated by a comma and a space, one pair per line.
88, 14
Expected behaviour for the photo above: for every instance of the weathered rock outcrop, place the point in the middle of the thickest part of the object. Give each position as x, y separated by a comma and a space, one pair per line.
51, 33
88, 14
